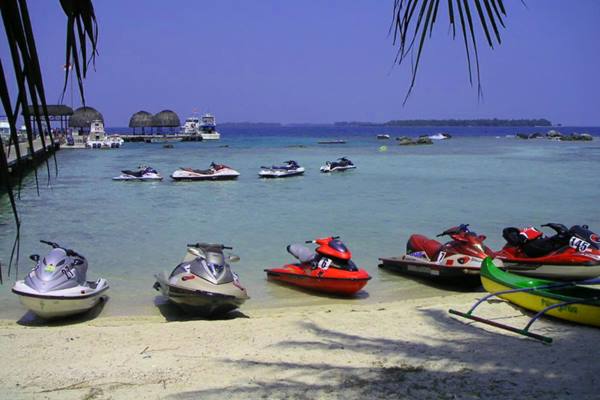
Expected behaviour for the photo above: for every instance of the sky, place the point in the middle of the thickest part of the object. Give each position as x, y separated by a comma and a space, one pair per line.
321, 61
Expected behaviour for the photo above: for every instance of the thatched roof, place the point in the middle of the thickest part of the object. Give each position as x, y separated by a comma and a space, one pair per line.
140, 119
165, 118
56, 110
83, 117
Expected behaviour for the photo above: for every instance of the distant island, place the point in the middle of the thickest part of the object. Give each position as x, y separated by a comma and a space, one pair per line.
452, 122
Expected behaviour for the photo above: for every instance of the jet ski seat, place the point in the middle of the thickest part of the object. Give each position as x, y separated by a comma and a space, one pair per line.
302, 253
133, 173
423, 243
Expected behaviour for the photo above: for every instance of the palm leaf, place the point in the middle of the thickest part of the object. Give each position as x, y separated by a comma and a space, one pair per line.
30, 87
410, 27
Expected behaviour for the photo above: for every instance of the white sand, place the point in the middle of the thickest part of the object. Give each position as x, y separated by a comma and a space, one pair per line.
405, 349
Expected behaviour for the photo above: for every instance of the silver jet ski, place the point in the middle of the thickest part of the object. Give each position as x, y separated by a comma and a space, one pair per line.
341, 164
143, 173
203, 284
289, 168
216, 172
57, 286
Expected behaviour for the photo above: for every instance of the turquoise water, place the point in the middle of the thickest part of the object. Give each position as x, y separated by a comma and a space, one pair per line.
129, 230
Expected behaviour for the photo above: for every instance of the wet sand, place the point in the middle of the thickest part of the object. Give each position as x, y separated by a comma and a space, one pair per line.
403, 349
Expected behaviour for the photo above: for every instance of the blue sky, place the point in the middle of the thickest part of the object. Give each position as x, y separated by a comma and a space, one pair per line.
323, 61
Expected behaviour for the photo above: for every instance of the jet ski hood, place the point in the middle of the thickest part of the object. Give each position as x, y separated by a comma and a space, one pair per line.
57, 271
211, 266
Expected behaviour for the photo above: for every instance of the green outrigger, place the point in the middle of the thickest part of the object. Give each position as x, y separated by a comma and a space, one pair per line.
564, 300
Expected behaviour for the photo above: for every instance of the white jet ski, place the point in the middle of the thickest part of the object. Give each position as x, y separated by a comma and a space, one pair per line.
57, 286
289, 168
216, 172
142, 174
341, 164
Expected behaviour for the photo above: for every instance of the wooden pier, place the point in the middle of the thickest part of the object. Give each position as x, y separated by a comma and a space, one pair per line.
146, 138
29, 160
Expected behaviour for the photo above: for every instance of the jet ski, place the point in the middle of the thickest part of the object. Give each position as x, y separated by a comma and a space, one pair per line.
457, 261
142, 174
57, 286
341, 164
569, 254
203, 283
289, 168
216, 172
330, 269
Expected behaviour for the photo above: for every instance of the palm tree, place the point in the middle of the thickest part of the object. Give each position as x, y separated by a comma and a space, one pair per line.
81, 28
414, 21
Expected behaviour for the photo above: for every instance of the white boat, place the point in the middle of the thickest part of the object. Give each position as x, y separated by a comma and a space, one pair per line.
97, 138
208, 128
383, 136
290, 168
216, 172
439, 136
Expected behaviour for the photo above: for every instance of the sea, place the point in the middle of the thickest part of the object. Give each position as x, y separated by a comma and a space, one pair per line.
130, 231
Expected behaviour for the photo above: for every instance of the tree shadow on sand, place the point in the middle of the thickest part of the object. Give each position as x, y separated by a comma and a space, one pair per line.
464, 362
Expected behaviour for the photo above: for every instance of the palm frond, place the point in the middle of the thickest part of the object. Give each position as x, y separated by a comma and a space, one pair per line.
30, 88
410, 29
81, 28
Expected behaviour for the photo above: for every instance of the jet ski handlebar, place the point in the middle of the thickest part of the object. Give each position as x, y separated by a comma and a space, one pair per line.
315, 240
219, 246
559, 228
69, 252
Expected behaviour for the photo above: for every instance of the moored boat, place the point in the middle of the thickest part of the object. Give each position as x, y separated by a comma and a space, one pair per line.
580, 304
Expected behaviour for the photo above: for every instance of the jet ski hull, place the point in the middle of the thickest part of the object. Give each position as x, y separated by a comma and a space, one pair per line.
332, 280
188, 176
201, 302
61, 303
464, 275
280, 173
553, 271
326, 168
137, 178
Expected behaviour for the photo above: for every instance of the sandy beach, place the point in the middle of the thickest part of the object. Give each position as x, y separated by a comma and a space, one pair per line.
403, 349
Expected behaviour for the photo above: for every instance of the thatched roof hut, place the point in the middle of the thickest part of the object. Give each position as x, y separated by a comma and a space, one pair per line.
83, 117
165, 119
54, 110
141, 119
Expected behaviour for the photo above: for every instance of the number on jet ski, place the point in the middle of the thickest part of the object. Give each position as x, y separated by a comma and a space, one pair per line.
578, 244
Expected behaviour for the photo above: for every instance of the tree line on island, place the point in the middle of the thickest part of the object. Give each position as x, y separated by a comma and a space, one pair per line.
452, 122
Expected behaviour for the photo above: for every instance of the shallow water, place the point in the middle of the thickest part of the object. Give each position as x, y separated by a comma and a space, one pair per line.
130, 230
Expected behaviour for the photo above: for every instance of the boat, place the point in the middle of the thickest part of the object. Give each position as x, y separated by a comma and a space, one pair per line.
208, 128
143, 173
203, 283
329, 269
289, 168
339, 141
216, 172
440, 136
341, 164
569, 254
455, 262
98, 139
57, 286
569, 301
383, 136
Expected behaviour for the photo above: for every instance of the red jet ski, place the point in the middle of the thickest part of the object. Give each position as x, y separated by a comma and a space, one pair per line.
457, 261
329, 270
570, 254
